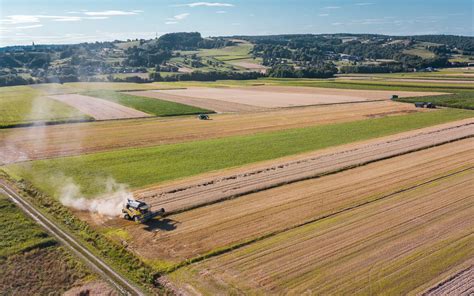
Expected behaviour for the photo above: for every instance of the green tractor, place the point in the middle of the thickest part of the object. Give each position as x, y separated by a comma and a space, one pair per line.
203, 117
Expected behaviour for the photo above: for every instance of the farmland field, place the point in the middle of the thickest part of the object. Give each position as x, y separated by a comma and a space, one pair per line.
188, 195
54, 141
98, 108
24, 105
272, 97
163, 163
215, 227
370, 249
265, 182
151, 106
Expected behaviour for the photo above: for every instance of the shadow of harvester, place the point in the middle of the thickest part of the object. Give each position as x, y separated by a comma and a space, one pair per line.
161, 224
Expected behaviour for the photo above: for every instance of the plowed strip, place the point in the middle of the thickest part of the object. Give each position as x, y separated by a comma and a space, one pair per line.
248, 217
193, 194
54, 141
392, 246
98, 108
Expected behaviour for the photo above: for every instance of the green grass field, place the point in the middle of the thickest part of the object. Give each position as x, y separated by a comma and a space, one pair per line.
25, 105
18, 232
145, 166
240, 51
148, 105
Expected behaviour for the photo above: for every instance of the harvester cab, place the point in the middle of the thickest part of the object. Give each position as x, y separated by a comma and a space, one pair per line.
139, 211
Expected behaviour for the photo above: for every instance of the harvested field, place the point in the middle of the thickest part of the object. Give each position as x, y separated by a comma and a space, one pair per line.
189, 195
248, 64
54, 141
434, 80
98, 108
204, 229
371, 249
156, 165
461, 284
280, 96
211, 104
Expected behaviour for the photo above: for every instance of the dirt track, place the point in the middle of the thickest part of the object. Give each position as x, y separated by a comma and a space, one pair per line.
189, 195
98, 108
277, 96
461, 284
61, 140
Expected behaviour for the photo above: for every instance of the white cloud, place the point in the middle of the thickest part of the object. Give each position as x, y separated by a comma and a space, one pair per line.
20, 19
221, 11
208, 4
34, 19
111, 12
337, 24
365, 3
178, 17
175, 19
96, 17
332, 7
67, 19
323, 14
29, 27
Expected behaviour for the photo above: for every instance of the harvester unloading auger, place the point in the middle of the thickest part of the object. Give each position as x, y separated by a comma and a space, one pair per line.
139, 211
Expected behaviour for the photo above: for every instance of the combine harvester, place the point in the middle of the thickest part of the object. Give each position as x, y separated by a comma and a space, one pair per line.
139, 211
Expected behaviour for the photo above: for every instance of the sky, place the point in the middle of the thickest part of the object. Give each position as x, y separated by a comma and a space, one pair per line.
73, 21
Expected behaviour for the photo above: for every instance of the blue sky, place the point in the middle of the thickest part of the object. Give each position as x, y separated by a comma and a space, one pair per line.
73, 21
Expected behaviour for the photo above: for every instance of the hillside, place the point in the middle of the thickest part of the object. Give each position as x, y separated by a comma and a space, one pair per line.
189, 56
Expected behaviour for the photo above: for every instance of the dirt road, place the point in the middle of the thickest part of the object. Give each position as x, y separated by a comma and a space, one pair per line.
207, 191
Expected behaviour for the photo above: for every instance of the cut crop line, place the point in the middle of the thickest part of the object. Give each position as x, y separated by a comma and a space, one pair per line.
317, 219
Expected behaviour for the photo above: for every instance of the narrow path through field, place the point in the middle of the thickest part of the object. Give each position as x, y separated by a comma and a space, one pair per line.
208, 191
